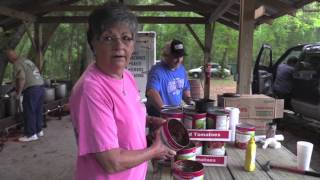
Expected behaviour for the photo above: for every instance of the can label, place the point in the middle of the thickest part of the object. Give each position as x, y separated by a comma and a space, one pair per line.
215, 148
199, 123
222, 123
190, 156
211, 123
187, 121
242, 138
199, 148
218, 120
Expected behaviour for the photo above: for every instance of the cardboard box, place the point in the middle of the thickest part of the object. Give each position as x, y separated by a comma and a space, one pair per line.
259, 124
209, 135
257, 106
209, 160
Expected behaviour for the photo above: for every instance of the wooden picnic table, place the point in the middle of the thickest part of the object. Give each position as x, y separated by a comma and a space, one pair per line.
235, 167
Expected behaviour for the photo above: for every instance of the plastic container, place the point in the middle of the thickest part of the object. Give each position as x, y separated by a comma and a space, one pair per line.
250, 161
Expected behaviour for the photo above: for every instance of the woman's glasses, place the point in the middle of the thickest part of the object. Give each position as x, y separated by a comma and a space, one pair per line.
109, 40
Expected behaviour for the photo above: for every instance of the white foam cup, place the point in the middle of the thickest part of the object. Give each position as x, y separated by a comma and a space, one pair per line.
304, 152
234, 120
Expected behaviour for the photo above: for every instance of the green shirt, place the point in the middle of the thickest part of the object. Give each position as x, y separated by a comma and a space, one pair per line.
26, 69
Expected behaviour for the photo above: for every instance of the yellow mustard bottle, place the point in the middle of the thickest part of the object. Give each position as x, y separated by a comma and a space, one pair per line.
250, 161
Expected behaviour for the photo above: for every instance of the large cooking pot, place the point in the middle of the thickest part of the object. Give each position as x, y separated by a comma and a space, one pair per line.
11, 106
47, 82
49, 94
60, 90
2, 107
203, 105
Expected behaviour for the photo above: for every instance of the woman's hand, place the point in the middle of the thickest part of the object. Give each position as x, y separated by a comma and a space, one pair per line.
156, 122
161, 151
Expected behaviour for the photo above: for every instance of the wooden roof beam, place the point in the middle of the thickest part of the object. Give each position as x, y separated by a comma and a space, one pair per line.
145, 20
278, 4
199, 5
131, 7
259, 12
269, 19
220, 10
228, 23
17, 14
195, 36
180, 4
264, 19
229, 17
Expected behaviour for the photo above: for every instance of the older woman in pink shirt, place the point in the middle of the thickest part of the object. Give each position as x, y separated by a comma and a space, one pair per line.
108, 116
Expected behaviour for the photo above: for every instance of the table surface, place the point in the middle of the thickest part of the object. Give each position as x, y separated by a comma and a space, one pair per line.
235, 167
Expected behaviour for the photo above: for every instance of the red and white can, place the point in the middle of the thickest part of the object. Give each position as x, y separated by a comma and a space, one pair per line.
243, 134
215, 148
199, 147
218, 119
174, 134
187, 153
172, 114
194, 120
186, 169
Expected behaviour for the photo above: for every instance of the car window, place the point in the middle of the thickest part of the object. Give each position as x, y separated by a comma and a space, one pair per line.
313, 61
265, 58
293, 53
216, 66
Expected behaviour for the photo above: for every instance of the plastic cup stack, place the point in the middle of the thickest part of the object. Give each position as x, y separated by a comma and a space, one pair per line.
234, 120
304, 152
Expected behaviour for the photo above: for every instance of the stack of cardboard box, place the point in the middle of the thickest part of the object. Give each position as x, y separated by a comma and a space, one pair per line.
257, 109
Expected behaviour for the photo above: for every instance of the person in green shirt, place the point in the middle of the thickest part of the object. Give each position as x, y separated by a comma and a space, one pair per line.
29, 83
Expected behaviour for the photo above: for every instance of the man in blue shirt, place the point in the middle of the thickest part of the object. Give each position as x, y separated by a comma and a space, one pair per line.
168, 82
282, 85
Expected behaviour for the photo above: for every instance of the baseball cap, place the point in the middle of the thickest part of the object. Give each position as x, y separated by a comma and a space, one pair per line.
177, 48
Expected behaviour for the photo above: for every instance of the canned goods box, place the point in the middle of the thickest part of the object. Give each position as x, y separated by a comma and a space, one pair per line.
256, 106
209, 135
210, 160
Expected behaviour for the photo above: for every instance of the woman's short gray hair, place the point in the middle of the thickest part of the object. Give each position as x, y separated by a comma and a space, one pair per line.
108, 15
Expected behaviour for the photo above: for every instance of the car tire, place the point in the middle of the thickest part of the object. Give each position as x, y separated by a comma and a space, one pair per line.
195, 75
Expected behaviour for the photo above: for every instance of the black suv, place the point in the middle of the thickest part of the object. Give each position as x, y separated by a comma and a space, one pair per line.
305, 96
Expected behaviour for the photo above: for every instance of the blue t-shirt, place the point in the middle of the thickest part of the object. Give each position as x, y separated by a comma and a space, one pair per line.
169, 83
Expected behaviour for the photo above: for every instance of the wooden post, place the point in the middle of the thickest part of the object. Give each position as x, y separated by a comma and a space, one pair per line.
209, 29
40, 42
247, 11
38, 45
10, 41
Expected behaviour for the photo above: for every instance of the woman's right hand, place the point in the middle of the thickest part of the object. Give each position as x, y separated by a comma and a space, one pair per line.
161, 151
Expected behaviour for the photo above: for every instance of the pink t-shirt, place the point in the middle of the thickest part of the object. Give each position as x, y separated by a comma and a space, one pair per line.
107, 113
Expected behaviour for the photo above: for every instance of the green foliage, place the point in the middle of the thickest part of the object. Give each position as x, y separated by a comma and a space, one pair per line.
288, 31
68, 44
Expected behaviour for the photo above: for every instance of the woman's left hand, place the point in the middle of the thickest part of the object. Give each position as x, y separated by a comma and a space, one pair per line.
156, 122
